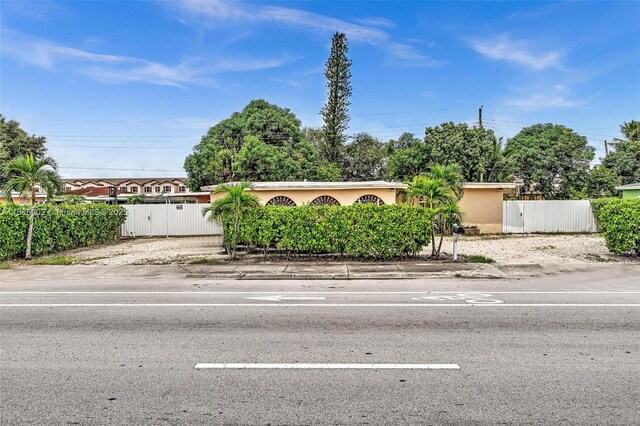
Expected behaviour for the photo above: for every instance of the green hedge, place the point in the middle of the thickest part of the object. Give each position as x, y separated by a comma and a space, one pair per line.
370, 231
57, 228
620, 221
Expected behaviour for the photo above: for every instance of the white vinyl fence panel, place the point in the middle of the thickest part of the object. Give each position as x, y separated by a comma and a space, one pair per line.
548, 216
153, 220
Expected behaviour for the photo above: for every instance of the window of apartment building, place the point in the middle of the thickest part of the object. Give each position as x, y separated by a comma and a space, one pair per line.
183, 188
166, 188
134, 189
67, 188
157, 189
123, 188
147, 189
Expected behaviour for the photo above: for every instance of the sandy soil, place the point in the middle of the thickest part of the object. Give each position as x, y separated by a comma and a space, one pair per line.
535, 248
504, 249
151, 251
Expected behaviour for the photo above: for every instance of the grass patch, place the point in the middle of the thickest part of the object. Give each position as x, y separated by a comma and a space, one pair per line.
597, 258
55, 260
5, 265
478, 258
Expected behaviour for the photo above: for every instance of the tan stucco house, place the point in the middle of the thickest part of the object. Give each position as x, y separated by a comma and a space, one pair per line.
481, 203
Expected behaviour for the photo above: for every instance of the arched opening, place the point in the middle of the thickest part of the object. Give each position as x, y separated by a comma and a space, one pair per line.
325, 200
281, 200
370, 199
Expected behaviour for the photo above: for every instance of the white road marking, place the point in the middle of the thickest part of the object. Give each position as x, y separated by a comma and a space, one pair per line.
332, 366
281, 298
315, 292
316, 305
467, 297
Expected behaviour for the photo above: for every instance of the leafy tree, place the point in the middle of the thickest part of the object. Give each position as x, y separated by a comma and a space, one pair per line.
365, 159
474, 149
15, 142
602, 182
549, 158
275, 131
434, 194
25, 174
405, 141
335, 112
449, 214
74, 200
624, 160
327, 171
231, 206
631, 130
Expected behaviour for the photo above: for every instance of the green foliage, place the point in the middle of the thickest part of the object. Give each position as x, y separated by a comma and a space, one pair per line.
335, 111
14, 143
620, 221
631, 130
364, 230
602, 182
474, 149
26, 172
55, 260
136, 199
624, 161
57, 228
231, 207
268, 130
549, 158
74, 200
365, 159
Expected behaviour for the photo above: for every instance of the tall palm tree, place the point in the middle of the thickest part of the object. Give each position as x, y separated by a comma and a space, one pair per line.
432, 193
449, 214
233, 205
25, 174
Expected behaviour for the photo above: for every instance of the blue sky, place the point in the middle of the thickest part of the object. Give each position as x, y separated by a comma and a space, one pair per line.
127, 88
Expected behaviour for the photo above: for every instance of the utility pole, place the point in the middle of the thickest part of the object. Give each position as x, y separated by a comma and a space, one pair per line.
606, 148
480, 116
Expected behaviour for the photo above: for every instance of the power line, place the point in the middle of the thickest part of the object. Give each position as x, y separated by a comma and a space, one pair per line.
125, 170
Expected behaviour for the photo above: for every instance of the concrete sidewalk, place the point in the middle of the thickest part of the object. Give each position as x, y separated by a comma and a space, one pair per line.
293, 270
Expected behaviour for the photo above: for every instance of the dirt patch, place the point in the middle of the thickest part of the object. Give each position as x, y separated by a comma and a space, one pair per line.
152, 251
535, 248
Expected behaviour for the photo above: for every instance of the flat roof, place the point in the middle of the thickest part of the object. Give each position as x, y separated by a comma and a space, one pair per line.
628, 186
300, 185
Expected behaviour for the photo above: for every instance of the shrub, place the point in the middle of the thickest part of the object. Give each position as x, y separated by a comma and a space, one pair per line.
366, 230
57, 228
620, 221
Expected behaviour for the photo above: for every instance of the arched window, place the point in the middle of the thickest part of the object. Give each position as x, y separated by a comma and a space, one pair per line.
369, 199
281, 200
325, 200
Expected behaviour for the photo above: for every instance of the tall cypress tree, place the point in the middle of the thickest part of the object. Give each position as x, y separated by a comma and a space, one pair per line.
336, 111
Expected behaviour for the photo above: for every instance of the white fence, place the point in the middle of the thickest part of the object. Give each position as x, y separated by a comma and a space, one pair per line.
153, 220
548, 216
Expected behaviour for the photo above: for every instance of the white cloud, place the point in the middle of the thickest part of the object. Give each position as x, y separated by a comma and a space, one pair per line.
124, 69
366, 32
558, 96
503, 48
376, 21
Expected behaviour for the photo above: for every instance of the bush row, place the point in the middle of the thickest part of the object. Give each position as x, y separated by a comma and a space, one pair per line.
57, 228
370, 231
620, 221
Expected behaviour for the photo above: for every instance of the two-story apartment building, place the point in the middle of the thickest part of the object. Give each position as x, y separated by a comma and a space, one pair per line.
147, 186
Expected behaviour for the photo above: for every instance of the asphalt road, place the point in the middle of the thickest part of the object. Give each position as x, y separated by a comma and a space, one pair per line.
554, 350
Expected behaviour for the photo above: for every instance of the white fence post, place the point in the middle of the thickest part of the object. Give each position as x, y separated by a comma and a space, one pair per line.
153, 220
548, 216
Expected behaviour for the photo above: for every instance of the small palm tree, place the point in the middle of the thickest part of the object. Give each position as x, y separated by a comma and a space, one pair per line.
233, 205
432, 193
27, 172
452, 175
449, 214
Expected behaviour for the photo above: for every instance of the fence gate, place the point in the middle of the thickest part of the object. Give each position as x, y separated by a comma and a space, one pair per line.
548, 216
154, 220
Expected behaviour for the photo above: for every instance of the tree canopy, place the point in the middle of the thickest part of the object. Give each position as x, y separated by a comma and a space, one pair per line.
15, 143
549, 158
624, 160
365, 159
474, 149
262, 142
